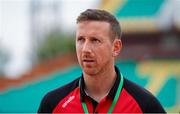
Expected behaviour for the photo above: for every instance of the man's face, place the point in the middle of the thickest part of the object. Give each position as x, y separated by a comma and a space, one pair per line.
94, 46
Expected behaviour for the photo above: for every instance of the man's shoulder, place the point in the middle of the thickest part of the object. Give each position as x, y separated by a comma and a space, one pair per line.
63, 90
146, 100
134, 88
52, 98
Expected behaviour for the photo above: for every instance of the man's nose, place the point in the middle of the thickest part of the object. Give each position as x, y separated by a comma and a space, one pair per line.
87, 47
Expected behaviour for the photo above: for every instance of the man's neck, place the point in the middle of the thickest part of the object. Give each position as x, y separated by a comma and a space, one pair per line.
98, 86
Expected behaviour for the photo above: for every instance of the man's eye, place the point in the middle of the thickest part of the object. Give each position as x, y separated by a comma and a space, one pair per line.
80, 39
95, 40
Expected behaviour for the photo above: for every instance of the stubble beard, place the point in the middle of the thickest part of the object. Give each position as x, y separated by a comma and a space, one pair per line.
95, 69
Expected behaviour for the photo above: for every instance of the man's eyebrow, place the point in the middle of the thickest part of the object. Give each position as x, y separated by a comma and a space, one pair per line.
80, 37
97, 37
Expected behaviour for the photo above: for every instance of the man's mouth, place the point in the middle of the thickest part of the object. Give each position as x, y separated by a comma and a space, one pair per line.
88, 60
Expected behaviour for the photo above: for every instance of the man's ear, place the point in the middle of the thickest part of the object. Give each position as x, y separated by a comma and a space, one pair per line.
117, 46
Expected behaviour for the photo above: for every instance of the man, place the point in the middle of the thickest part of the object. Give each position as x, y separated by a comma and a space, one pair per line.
101, 88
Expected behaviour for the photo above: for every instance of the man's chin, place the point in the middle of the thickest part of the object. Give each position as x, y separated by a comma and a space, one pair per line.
90, 71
